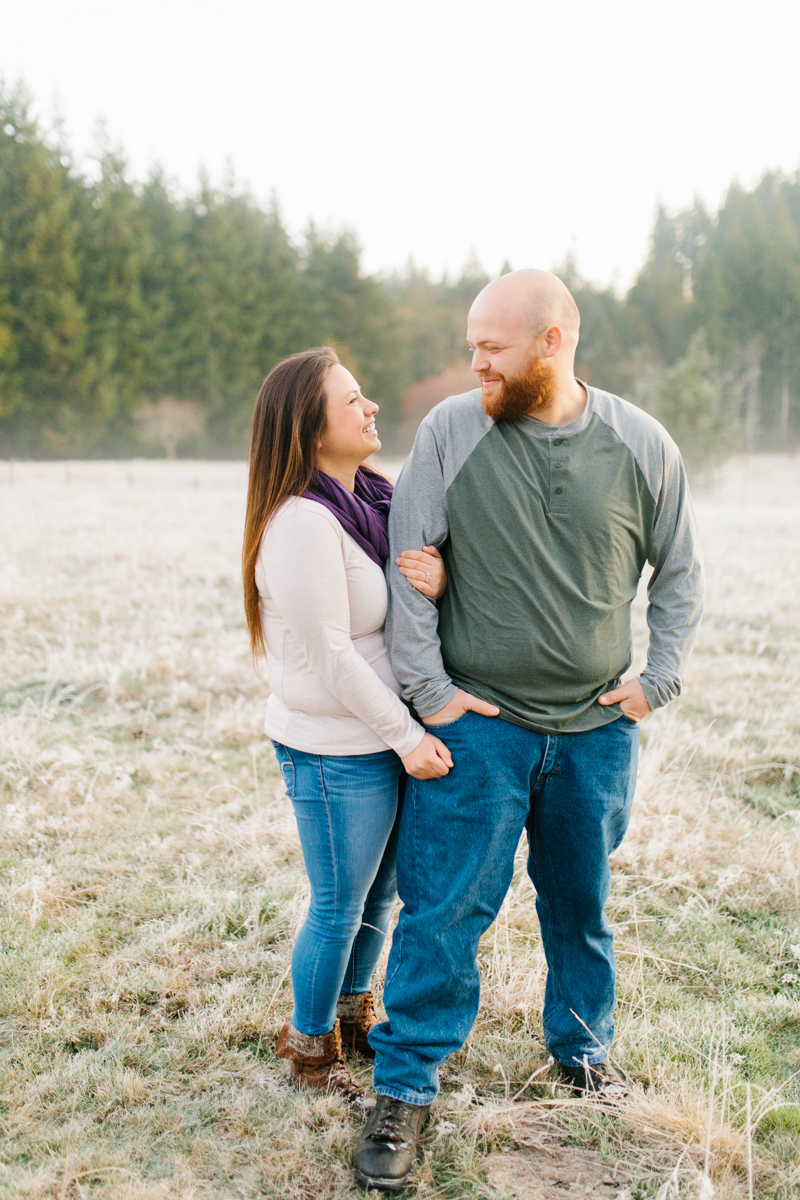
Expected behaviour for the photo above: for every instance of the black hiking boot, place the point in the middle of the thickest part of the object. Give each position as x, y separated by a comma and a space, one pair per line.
388, 1146
596, 1079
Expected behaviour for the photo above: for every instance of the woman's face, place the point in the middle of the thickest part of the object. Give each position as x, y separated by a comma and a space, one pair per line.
349, 435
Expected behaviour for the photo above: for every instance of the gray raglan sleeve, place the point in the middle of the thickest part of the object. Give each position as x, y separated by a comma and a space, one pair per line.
418, 518
675, 591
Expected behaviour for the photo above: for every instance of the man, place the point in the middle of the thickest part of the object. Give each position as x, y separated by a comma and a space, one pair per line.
546, 498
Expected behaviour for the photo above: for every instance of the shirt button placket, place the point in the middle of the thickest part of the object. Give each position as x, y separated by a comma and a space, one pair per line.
558, 468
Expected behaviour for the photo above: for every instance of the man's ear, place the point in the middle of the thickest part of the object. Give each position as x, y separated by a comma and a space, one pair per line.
553, 341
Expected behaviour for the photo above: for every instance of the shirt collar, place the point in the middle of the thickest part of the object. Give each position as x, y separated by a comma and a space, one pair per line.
541, 429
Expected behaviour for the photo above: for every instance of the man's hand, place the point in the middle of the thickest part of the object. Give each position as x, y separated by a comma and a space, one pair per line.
462, 702
631, 699
430, 760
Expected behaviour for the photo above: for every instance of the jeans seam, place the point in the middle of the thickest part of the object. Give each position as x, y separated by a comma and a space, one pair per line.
350, 970
542, 776
399, 931
541, 861
290, 791
313, 981
561, 1004
294, 774
352, 974
355, 957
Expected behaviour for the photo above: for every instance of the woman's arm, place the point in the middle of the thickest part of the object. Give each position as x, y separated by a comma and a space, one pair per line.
303, 563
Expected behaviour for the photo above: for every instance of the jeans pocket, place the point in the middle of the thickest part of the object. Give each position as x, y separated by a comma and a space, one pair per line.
629, 720
286, 766
434, 729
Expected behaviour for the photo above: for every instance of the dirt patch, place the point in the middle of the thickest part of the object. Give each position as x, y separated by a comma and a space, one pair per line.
555, 1172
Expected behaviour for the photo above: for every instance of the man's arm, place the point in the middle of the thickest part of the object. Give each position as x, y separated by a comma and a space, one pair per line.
675, 595
676, 589
418, 518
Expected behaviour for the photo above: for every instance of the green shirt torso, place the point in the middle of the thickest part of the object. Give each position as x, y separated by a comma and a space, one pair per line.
545, 531
557, 527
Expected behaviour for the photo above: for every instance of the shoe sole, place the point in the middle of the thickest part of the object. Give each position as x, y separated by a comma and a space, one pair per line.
381, 1183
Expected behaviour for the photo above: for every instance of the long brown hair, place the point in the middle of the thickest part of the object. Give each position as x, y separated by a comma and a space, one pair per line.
288, 419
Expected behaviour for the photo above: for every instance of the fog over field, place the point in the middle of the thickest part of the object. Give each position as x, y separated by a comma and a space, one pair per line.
152, 881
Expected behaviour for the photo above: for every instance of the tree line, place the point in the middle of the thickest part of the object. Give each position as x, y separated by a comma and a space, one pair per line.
128, 309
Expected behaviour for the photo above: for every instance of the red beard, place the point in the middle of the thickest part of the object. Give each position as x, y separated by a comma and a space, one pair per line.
521, 396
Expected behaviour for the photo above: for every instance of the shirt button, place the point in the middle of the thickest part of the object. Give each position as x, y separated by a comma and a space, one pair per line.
559, 491
557, 464
557, 441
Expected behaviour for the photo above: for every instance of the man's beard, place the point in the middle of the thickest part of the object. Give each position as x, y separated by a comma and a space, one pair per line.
518, 397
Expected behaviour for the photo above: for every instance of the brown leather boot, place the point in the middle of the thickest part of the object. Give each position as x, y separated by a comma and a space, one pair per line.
317, 1063
356, 1013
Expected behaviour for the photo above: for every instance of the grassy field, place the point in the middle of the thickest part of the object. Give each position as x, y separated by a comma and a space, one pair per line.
152, 883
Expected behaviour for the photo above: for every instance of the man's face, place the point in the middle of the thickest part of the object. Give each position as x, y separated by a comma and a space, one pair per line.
514, 379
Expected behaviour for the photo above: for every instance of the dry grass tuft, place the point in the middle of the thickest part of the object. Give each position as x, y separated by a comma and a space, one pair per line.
152, 881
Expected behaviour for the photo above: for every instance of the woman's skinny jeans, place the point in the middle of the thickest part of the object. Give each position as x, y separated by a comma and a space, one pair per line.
346, 810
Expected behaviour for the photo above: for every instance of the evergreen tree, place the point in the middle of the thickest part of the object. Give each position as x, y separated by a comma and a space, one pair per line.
352, 312
42, 323
699, 404
119, 299
432, 319
660, 305
168, 298
247, 313
111, 247
748, 295
604, 350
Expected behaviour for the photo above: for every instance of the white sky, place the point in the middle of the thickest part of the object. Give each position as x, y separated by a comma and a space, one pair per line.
513, 128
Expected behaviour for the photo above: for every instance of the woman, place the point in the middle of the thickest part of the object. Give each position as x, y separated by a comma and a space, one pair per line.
315, 598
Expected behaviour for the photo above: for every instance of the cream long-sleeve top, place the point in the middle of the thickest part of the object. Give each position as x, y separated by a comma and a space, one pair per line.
323, 608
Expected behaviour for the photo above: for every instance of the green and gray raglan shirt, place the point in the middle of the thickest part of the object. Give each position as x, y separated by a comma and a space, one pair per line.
545, 531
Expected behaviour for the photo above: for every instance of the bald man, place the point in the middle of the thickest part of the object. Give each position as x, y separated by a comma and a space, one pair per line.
546, 497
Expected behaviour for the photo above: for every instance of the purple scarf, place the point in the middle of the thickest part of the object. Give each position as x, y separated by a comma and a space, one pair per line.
364, 513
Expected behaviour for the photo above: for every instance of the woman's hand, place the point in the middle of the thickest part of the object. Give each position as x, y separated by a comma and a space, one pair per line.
430, 760
424, 570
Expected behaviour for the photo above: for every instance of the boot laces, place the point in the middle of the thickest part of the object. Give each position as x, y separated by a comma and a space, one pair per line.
393, 1126
368, 1014
608, 1086
605, 1083
345, 1083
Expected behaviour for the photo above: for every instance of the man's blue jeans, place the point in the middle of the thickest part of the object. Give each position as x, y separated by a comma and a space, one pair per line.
346, 809
572, 794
